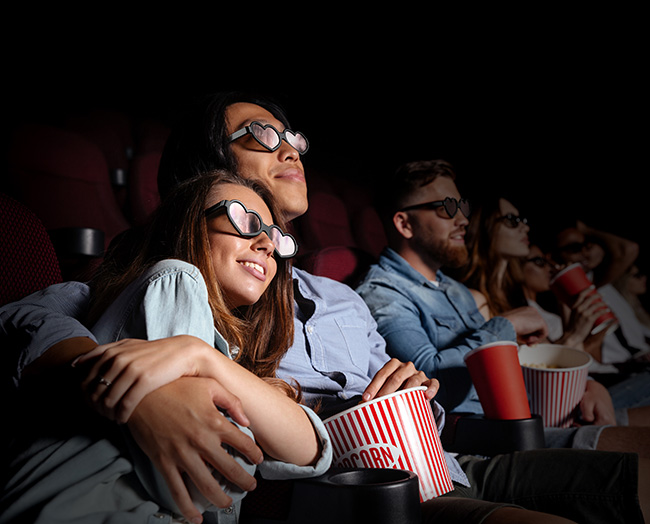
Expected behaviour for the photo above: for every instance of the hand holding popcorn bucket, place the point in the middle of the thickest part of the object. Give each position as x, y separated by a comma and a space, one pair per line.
395, 431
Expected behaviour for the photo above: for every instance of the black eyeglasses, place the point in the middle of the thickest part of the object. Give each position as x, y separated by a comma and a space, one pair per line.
248, 223
270, 138
511, 220
450, 205
539, 261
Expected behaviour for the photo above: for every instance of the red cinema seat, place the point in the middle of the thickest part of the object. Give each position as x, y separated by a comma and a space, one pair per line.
63, 178
345, 264
326, 223
27, 258
143, 186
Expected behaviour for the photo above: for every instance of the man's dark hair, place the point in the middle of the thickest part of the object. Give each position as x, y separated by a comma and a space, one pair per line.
198, 142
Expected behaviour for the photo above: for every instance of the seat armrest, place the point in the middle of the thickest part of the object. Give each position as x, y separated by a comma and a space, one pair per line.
78, 241
341, 495
477, 435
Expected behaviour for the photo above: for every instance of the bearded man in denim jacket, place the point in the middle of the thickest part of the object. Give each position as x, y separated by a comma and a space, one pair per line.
430, 319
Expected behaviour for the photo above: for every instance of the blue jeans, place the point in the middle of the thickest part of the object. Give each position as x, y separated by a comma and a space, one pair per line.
632, 392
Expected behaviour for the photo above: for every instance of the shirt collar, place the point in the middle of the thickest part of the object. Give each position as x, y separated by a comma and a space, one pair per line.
391, 260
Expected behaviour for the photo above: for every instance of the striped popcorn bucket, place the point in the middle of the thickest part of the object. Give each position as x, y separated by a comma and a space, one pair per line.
555, 378
396, 431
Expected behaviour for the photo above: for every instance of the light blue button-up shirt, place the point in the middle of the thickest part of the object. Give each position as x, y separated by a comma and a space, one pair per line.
337, 350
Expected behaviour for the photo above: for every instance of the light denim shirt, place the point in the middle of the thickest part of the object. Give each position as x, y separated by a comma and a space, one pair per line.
434, 325
170, 299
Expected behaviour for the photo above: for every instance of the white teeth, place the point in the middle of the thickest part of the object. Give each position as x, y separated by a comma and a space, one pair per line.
254, 266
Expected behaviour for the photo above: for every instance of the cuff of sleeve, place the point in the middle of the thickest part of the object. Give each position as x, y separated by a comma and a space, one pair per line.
501, 328
439, 415
275, 469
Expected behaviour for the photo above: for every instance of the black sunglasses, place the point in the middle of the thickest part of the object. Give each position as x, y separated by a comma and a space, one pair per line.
248, 223
270, 138
539, 261
512, 221
450, 205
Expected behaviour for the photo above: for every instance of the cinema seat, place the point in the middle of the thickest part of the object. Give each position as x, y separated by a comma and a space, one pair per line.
326, 223
143, 186
346, 264
63, 178
29, 262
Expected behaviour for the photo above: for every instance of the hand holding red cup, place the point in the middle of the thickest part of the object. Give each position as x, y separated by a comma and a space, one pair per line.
569, 282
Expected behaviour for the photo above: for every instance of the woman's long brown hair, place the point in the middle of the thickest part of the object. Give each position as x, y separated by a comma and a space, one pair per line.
263, 332
479, 272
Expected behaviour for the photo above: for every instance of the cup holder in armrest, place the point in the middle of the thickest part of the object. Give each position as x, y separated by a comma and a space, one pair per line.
369, 477
342, 495
477, 435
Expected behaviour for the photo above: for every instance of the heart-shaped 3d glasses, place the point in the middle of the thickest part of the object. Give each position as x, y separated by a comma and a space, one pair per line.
248, 223
270, 138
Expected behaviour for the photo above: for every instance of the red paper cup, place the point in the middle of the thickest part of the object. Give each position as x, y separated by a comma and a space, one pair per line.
498, 380
568, 283
396, 431
555, 377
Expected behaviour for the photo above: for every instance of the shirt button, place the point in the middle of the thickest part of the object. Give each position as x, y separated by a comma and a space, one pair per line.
229, 510
310, 329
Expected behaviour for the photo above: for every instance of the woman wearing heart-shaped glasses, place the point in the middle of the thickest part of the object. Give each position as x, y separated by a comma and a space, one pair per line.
214, 265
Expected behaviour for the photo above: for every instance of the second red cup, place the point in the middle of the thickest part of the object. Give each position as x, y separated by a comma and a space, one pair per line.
499, 381
568, 283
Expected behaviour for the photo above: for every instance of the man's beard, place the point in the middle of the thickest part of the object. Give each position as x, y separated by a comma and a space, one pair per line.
454, 257
441, 254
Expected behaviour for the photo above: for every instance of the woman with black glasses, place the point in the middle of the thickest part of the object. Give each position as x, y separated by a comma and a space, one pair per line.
570, 327
496, 235
498, 242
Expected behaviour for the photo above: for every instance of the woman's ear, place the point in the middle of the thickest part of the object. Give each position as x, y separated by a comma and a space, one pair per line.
403, 224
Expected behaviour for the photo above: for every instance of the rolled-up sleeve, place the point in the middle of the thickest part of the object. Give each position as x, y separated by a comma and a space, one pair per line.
29, 327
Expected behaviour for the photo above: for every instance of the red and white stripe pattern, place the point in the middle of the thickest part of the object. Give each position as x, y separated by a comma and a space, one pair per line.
397, 431
555, 393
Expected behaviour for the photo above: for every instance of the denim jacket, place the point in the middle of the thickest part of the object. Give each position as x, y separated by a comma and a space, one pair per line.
434, 325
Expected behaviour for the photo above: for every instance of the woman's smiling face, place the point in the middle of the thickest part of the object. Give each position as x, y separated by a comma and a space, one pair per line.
244, 266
